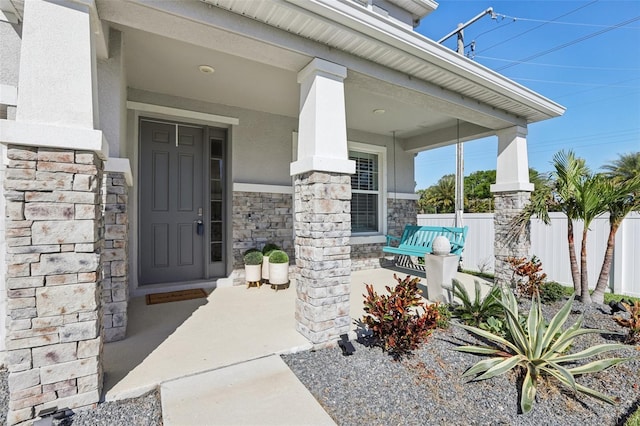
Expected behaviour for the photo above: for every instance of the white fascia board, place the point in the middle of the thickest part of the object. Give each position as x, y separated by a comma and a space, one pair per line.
120, 165
50, 136
402, 196
182, 113
8, 95
366, 22
258, 187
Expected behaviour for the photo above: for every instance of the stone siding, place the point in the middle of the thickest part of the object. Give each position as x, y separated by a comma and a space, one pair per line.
54, 239
322, 230
260, 218
115, 258
506, 244
400, 212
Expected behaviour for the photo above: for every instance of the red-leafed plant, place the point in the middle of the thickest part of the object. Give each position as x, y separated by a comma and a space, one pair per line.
530, 273
632, 323
395, 320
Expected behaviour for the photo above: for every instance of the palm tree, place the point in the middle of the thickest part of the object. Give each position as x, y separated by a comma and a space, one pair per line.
570, 171
565, 192
624, 186
593, 196
443, 194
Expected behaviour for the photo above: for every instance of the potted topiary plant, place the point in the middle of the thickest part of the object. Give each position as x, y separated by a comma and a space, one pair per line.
266, 251
253, 267
278, 269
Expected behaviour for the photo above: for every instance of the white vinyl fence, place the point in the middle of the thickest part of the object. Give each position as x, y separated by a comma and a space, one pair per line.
549, 244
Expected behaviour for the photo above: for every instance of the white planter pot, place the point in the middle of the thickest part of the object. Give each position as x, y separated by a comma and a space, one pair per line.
265, 268
278, 273
252, 273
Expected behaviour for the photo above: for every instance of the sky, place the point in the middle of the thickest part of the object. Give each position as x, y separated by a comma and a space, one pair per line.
584, 55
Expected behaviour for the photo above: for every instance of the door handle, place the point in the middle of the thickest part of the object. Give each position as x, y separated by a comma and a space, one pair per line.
199, 227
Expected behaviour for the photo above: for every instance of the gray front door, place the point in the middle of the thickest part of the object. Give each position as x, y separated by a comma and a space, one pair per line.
172, 233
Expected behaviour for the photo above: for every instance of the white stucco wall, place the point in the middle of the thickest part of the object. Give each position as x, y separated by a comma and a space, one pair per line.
400, 164
112, 96
9, 53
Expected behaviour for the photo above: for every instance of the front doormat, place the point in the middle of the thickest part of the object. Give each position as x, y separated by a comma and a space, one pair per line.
175, 296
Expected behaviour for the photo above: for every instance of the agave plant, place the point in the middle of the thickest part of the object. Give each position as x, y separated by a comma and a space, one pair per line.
538, 348
479, 310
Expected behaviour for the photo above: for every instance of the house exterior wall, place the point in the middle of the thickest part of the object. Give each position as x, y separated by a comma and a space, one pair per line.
260, 218
260, 215
10, 53
112, 95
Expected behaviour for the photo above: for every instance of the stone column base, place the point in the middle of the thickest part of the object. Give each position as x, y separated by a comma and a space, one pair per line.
54, 240
322, 229
508, 205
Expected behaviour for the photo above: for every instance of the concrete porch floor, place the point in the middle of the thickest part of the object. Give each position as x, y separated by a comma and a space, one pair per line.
206, 349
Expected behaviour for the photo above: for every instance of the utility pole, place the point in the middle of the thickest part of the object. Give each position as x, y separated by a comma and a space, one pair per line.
459, 202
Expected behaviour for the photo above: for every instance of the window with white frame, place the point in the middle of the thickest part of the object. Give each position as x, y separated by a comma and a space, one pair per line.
367, 193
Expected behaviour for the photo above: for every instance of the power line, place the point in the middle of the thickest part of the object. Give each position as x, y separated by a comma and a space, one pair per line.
561, 23
578, 67
578, 40
539, 26
595, 88
568, 83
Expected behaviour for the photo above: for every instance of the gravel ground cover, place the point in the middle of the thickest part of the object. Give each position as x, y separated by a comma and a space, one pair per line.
369, 388
143, 411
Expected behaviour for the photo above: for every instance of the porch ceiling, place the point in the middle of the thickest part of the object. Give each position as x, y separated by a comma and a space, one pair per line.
168, 66
257, 58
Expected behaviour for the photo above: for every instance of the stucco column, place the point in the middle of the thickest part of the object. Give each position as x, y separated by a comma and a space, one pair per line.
512, 192
53, 216
322, 218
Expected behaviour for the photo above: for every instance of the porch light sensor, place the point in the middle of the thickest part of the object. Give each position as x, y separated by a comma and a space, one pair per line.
379, 111
206, 69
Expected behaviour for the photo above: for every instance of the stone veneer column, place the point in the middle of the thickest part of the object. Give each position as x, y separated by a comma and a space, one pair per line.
322, 231
512, 191
322, 205
115, 264
54, 239
508, 206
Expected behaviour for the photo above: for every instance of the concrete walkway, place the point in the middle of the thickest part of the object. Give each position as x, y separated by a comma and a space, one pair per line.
216, 359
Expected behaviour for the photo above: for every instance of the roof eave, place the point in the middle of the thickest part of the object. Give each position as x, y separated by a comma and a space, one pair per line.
359, 19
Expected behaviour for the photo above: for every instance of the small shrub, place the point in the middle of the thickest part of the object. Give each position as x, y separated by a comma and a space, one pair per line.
269, 248
475, 312
253, 258
495, 326
395, 320
278, 256
530, 273
444, 315
551, 291
633, 323
538, 348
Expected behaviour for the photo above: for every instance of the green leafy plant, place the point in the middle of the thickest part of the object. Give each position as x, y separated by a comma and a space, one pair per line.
278, 256
495, 325
253, 257
551, 291
633, 322
395, 320
538, 348
268, 248
530, 273
444, 315
478, 310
